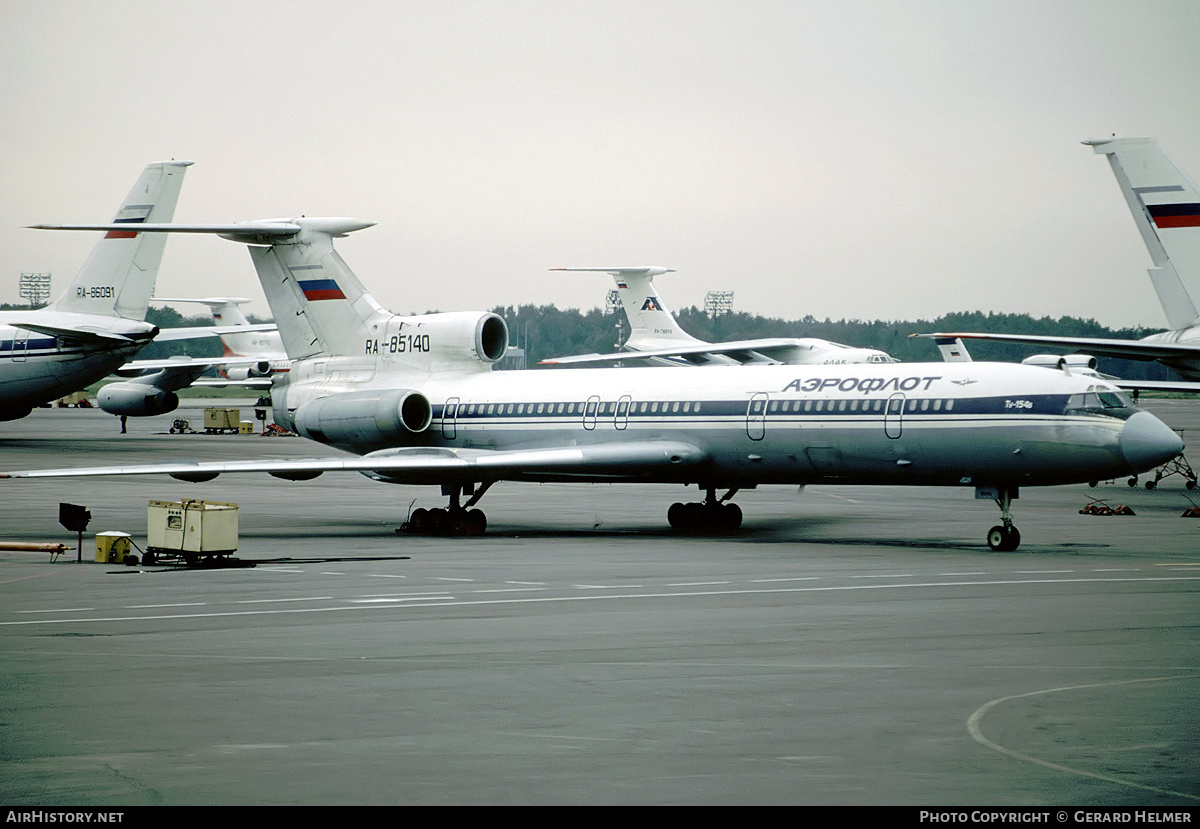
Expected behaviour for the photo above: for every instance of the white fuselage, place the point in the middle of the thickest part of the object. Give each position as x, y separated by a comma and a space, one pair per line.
915, 423
1188, 367
37, 368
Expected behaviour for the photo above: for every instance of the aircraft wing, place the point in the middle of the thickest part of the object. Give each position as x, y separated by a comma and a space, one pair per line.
1157, 385
747, 350
264, 232
196, 331
96, 335
175, 373
81, 327
1097, 346
420, 465
224, 382
186, 362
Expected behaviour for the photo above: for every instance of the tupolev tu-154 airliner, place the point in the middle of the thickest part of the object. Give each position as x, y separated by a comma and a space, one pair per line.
416, 401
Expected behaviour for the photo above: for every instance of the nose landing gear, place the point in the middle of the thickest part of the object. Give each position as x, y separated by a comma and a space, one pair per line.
1005, 537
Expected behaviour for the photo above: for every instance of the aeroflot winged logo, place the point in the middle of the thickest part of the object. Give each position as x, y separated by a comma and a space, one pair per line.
651, 304
317, 289
867, 384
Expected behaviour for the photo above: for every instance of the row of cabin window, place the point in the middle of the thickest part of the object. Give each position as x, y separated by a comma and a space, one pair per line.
911, 404
691, 407
668, 406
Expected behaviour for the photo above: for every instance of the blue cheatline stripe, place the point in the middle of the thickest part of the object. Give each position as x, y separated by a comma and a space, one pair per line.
1050, 404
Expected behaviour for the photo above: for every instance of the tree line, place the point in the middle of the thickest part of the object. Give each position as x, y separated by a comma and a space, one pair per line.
545, 331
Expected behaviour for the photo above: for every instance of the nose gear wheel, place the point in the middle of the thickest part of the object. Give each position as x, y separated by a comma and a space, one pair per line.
1004, 538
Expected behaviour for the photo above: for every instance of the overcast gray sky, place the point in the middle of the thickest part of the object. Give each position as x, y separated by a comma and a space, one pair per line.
860, 159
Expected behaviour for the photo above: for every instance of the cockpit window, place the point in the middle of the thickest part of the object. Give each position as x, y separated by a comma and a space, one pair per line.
1097, 399
1090, 400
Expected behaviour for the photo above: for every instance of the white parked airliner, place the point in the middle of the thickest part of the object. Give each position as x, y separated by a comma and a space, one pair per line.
1165, 204
92, 330
100, 320
656, 337
415, 399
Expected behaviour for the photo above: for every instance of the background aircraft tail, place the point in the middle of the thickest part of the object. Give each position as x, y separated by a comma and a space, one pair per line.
1165, 204
225, 312
118, 276
647, 314
651, 324
952, 349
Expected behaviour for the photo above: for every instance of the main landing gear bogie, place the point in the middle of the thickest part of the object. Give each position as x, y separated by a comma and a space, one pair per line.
709, 515
446, 521
453, 520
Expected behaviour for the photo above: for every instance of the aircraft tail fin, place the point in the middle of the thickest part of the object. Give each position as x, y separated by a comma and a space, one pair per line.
1165, 204
651, 324
117, 279
953, 349
225, 311
320, 306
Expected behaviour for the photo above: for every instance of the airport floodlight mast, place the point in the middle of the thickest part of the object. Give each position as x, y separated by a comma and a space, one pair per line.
718, 303
613, 306
35, 287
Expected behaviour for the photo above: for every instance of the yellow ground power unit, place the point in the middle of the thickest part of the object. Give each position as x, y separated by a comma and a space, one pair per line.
222, 421
113, 547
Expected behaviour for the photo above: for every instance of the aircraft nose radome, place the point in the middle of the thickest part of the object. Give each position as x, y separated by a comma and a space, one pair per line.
1147, 442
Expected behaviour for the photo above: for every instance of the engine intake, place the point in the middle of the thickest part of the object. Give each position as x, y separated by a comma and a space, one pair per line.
450, 340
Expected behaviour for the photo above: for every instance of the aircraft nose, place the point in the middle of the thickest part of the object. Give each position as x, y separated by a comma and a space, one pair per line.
1147, 442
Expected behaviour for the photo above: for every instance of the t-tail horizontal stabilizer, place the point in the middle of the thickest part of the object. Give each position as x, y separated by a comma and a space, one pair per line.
300, 273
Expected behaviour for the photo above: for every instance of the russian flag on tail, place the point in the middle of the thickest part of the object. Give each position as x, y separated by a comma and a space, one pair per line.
124, 234
317, 289
1175, 215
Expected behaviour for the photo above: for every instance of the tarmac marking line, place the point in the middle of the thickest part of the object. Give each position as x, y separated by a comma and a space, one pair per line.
297, 599
976, 732
153, 606
434, 602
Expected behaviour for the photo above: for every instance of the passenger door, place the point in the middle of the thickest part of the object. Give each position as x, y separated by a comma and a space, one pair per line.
756, 416
893, 416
